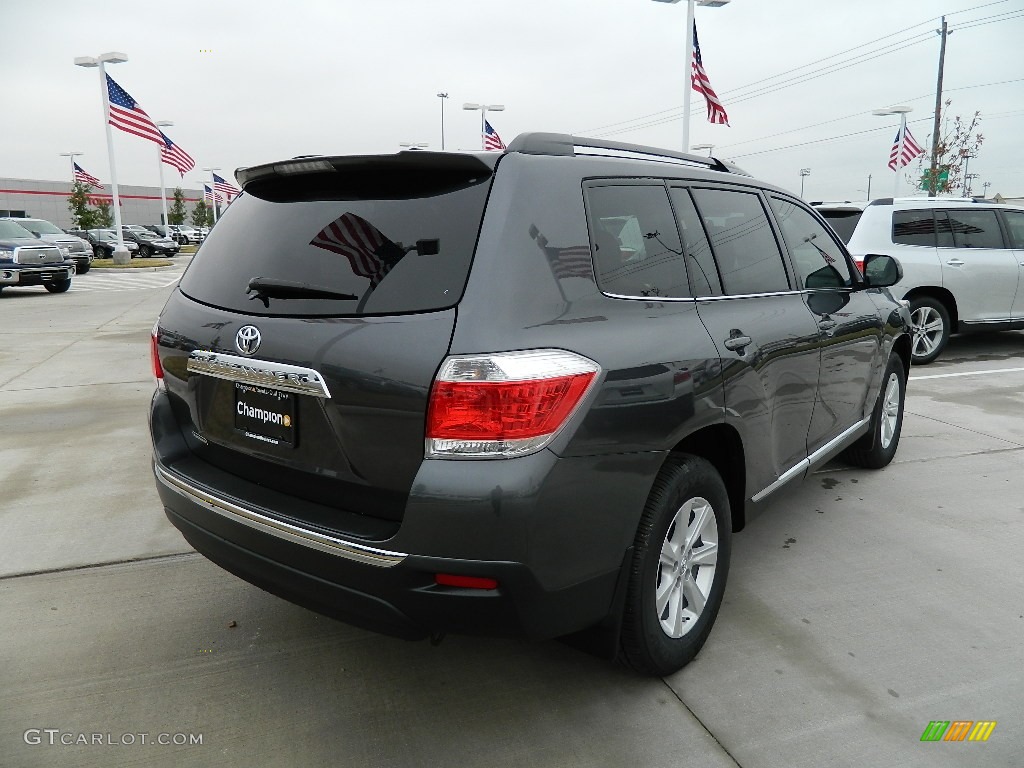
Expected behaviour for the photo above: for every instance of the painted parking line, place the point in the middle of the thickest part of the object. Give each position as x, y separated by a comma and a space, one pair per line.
967, 373
122, 282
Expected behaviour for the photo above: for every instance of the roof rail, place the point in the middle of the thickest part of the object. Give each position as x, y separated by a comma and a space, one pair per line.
565, 144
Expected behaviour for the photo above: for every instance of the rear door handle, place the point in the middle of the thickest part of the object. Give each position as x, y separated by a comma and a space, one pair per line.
956, 263
737, 343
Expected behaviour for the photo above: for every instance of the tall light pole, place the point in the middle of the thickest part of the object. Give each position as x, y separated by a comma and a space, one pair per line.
121, 255
160, 162
72, 155
213, 192
902, 112
688, 66
443, 97
484, 109
804, 173
699, 147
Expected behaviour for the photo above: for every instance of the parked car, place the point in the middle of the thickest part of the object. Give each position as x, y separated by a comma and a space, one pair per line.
152, 244
466, 401
105, 240
27, 260
75, 248
188, 235
962, 259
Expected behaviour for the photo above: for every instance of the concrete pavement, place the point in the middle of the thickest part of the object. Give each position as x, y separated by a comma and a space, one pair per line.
861, 607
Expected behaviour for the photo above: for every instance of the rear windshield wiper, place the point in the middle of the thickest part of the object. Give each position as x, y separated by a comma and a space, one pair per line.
265, 288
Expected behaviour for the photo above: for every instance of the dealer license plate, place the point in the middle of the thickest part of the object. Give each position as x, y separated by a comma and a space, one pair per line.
266, 415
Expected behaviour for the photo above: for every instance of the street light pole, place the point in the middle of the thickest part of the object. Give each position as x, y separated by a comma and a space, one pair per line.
121, 255
443, 97
698, 147
160, 161
902, 112
484, 108
804, 173
688, 65
72, 155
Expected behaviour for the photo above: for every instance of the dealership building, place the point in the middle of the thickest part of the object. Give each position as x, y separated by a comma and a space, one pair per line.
49, 200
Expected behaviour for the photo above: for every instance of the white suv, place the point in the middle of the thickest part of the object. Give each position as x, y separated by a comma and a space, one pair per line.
962, 259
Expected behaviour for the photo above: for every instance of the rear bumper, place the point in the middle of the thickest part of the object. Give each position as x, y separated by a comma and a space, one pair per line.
388, 592
553, 532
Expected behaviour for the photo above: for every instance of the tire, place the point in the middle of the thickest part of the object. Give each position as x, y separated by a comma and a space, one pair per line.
662, 641
145, 251
930, 322
58, 286
83, 269
876, 449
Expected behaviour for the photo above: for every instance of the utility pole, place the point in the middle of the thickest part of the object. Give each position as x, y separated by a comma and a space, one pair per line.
933, 174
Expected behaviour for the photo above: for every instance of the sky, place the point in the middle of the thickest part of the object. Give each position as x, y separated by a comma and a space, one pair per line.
257, 81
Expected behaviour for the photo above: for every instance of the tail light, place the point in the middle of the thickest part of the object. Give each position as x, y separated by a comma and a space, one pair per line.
154, 356
860, 265
506, 404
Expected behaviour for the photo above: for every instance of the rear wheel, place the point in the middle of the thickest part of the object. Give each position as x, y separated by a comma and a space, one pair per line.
876, 449
680, 565
930, 322
58, 286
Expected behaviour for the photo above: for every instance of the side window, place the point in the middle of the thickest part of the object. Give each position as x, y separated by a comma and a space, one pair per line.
747, 254
975, 229
913, 228
635, 242
819, 262
700, 264
1015, 226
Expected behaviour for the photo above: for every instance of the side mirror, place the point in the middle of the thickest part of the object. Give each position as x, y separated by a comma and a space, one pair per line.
881, 271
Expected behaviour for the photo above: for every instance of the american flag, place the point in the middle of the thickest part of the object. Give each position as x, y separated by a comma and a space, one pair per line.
492, 141
369, 252
911, 149
701, 84
126, 114
573, 261
208, 195
174, 155
85, 177
225, 188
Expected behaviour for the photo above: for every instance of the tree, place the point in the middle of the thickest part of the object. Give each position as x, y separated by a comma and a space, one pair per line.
955, 149
202, 215
177, 213
83, 216
104, 217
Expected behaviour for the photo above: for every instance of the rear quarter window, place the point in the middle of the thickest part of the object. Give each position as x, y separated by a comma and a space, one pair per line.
913, 228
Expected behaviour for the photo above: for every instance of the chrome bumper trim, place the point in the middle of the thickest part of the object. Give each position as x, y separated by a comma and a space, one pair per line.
360, 553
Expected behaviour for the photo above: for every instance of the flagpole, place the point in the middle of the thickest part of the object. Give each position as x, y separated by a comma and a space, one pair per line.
688, 70
71, 156
213, 192
121, 255
160, 162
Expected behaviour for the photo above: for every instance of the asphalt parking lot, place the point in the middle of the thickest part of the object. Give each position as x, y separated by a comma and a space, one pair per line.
863, 606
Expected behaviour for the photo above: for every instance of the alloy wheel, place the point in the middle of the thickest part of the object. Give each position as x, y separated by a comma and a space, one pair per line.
928, 329
686, 572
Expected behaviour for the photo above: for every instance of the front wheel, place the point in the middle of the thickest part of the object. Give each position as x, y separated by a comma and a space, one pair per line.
680, 564
929, 321
877, 448
145, 251
83, 269
58, 286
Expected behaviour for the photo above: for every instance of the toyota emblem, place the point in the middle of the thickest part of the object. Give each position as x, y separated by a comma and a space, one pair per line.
248, 339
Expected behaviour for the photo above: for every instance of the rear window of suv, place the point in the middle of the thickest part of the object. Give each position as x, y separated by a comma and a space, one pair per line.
843, 222
360, 252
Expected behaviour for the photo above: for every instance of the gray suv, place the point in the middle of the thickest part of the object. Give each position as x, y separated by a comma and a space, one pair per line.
530, 392
962, 259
